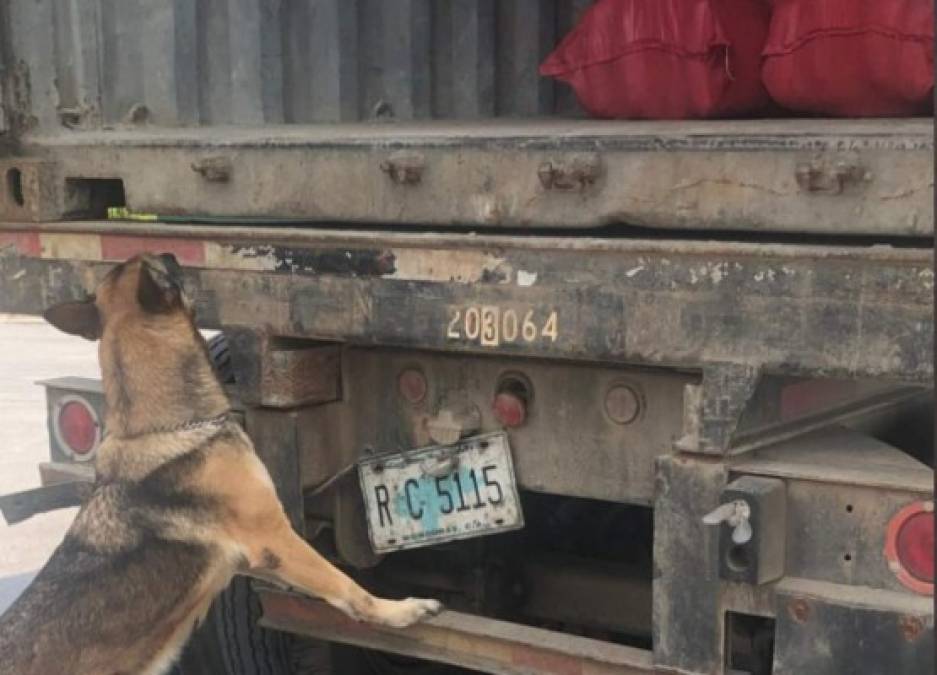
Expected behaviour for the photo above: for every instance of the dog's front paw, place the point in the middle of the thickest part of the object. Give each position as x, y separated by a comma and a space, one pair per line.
403, 613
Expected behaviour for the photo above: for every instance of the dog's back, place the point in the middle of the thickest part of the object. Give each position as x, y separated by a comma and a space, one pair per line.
118, 590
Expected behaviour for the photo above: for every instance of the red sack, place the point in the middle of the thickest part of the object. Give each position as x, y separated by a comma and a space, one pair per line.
665, 59
855, 58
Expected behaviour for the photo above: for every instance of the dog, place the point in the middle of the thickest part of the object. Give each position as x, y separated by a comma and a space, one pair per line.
181, 502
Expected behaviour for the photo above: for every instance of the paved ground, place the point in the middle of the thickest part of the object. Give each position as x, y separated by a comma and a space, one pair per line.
31, 350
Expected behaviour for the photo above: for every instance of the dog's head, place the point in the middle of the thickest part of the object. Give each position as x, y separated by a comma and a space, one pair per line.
145, 285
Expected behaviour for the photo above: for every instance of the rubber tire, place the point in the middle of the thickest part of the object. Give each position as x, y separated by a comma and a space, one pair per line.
230, 641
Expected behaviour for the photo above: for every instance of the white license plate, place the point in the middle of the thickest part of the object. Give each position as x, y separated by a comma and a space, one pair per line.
441, 493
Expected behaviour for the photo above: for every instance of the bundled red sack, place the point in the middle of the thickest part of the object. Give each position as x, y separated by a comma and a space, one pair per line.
854, 58
665, 59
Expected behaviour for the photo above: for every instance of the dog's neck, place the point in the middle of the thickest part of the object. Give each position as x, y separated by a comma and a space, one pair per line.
157, 375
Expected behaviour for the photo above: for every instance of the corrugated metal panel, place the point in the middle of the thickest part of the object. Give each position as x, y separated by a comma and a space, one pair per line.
184, 62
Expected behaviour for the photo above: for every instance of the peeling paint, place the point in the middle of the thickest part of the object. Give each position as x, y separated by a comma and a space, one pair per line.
70, 246
228, 256
765, 275
634, 270
463, 267
927, 278
714, 272
525, 278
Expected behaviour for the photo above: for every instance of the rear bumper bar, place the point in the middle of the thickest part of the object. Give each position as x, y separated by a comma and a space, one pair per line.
463, 639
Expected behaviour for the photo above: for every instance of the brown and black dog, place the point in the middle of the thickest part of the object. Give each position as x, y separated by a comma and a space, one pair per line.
181, 502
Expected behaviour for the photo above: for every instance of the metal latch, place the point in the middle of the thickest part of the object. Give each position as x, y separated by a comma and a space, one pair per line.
737, 515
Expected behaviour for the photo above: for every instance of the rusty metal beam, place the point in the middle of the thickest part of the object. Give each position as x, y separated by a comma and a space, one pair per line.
281, 374
462, 639
822, 176
850, 312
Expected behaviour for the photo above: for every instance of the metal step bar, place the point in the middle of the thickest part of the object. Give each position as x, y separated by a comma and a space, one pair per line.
489, 645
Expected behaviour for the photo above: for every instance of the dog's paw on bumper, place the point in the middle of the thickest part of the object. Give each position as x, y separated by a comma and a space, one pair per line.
403, 613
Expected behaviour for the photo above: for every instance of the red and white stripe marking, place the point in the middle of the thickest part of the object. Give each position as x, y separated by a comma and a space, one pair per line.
119, 247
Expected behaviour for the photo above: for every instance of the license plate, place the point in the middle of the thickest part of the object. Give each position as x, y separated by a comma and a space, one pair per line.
441, 493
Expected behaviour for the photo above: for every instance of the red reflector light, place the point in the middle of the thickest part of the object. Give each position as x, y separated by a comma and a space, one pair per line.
77, 427
512, 396
412, 385
909, 546
509, 409
916, 546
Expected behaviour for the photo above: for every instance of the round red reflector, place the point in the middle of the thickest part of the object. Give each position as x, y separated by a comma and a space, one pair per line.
78, 428
909, 546
411, 384
509, 409
915, 546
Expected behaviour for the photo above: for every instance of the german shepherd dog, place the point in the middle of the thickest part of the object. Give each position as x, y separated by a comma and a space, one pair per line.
181, 502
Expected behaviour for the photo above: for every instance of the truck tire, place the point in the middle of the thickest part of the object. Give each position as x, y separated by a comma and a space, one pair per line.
229, 641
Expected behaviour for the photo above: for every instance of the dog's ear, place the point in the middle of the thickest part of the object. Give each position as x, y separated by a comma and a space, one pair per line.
156, 292
77, 318
172, 265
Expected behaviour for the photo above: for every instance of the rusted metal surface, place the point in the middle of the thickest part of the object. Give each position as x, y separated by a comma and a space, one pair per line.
484, 644
842, 489
213, 169
32, 190
567, 444
838, 456
280, 374
736, 409
751, 428
714, 408
404, 168
781, 176
852, 312
576, 173
830, 629
228, 63
688, 624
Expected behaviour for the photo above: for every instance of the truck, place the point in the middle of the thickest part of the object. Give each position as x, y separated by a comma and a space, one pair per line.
629, 397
